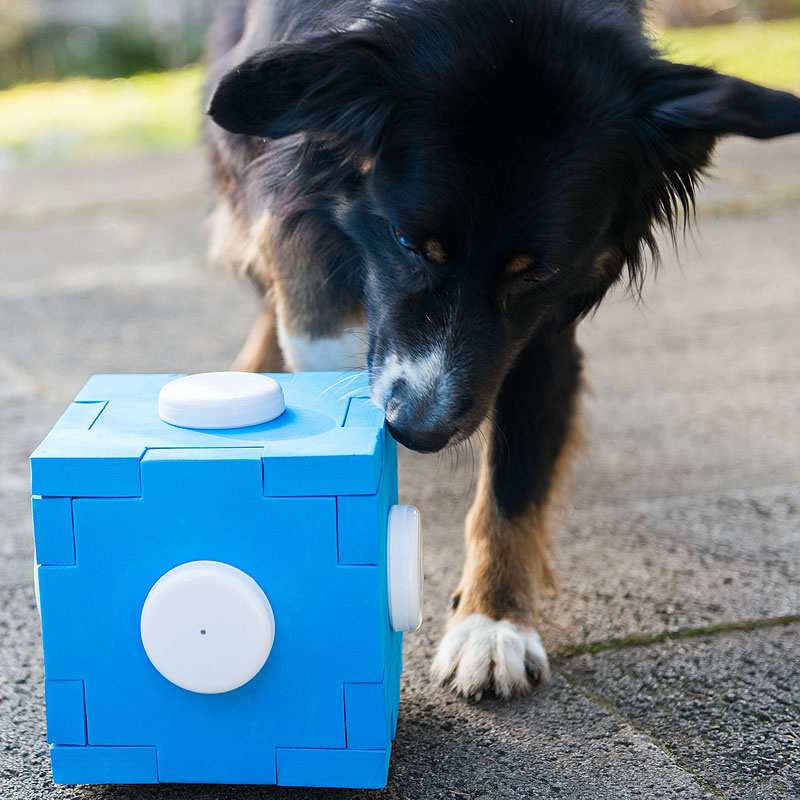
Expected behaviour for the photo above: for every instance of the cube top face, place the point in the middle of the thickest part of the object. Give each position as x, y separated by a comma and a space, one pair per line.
299, 505
328, 441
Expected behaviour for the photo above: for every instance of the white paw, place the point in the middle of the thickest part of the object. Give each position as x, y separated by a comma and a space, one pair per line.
480, 655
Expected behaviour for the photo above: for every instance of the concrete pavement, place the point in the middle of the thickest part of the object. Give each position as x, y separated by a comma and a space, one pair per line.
675, 637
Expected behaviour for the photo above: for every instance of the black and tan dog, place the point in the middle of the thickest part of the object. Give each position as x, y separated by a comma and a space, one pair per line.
451, 185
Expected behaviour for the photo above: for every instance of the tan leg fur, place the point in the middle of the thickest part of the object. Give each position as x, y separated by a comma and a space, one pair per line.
491, 644
261, 351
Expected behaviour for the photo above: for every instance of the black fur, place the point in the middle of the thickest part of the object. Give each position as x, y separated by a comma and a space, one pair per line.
523, 475
546, 128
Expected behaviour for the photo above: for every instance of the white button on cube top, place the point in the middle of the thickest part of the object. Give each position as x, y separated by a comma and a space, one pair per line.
221, 400
207, 627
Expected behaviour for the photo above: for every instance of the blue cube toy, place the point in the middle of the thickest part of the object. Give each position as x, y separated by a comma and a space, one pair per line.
223, 597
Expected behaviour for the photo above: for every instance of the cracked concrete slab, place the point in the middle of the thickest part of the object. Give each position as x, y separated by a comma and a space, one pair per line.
674, 564
725, 706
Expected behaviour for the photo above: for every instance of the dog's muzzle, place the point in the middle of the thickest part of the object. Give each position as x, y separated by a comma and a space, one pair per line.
411, 422
418, 395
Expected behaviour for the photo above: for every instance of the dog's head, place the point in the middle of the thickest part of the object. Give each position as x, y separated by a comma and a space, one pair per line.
499, 164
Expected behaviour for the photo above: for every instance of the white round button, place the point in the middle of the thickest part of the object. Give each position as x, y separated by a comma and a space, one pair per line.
405, 568
218, 400
207, 627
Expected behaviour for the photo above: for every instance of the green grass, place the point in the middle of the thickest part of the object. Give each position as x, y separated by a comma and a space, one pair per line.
81, 117
767, 53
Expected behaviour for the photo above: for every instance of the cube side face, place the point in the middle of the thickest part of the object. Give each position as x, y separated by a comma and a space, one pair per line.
209, 504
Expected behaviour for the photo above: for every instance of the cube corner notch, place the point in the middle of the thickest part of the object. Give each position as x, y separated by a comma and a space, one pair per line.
363, 413
65, 702
118, 386
342, 769
174, 470
367, 716
53, 531
342, 461
65, 466
81, 415
360, 515
95, 764
355, 514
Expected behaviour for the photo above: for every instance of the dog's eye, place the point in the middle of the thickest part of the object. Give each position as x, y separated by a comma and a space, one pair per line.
404, 241
539, 273
530, 269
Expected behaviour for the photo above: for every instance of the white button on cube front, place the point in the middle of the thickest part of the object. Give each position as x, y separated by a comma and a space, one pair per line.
405, 568
207, 627
221, 400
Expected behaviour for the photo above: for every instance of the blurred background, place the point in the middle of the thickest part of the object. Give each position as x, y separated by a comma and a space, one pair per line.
90, 78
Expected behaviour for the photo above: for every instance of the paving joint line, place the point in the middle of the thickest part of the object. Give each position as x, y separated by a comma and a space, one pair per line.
605, 704
641, 640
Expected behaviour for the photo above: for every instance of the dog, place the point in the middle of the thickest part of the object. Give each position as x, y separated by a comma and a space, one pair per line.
453, 185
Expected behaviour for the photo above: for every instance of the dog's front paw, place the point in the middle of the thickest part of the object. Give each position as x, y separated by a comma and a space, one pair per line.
480, 656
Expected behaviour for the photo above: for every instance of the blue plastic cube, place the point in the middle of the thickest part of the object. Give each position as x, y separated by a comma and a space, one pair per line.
299, 505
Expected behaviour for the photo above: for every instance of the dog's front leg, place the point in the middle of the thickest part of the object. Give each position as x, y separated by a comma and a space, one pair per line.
261, 351
491, 645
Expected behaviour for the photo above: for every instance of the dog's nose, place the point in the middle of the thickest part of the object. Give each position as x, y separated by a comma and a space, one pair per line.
414, 424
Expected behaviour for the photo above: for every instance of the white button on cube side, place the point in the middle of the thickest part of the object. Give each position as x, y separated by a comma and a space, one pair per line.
207, 627
405, 568
221, 400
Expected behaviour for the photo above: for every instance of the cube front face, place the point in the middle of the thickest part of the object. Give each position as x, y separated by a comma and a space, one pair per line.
300, 505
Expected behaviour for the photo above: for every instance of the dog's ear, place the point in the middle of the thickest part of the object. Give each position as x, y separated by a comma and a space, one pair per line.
336, 85
684, 98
